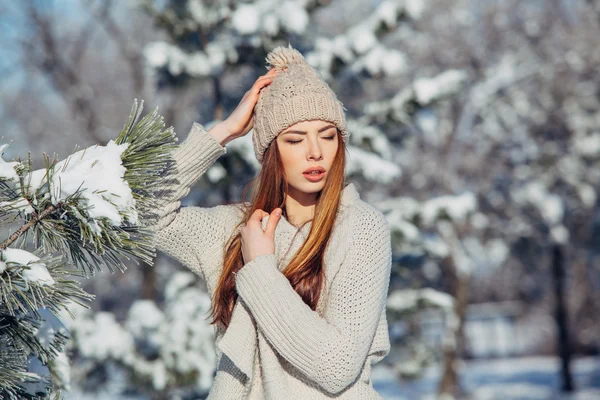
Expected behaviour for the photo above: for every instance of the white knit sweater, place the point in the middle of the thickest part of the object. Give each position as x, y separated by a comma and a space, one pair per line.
276, 347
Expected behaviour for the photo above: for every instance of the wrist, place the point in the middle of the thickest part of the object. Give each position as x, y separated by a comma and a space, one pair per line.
221, 134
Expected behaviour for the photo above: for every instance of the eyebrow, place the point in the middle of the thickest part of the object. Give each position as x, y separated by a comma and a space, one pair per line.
323, 129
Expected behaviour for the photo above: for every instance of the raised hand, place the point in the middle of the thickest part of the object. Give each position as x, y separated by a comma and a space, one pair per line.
256, 241
241, 119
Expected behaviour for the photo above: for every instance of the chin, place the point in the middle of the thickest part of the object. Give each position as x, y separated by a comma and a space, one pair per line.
309, 187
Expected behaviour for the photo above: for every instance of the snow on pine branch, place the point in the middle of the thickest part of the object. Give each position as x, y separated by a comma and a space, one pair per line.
429, 227
30, 283
88, 206
258, 22
423, 91
8, 169
370, 135
34, 271
360, 46
373, 168
427, 90
550, 207
96, 174
237, 24
200, 63
426, 214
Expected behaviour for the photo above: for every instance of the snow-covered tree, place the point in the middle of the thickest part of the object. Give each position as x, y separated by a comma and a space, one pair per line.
443, 232
167, 350
207, 37
209, 40
72, 218
502, 108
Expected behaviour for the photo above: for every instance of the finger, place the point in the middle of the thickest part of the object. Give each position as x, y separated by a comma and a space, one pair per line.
258, 85
273, 220
263, 81
269, 75
261, 85
256, 89
256, 216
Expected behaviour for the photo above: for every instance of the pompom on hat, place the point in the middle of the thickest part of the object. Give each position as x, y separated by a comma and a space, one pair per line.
297, 93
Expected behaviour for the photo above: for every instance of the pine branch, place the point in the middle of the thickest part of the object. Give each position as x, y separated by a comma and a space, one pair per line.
93, 243
149, 156
28, 225
12, 365
19, 334
23, 295
65, 224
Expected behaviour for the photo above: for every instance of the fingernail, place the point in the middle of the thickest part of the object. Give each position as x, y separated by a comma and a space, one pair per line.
278, 212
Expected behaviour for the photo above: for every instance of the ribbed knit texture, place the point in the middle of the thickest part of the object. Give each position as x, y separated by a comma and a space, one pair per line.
296, 94
276, 347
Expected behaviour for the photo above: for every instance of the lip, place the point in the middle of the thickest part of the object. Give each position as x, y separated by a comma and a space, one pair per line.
314, 178
320, 169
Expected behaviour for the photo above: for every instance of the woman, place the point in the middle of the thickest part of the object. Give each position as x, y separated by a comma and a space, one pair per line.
299, 274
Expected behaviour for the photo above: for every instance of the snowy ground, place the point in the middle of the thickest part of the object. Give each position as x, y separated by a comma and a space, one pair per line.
532, 378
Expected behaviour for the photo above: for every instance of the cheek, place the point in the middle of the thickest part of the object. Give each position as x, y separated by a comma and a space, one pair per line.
333, 148
331, 151
290, 157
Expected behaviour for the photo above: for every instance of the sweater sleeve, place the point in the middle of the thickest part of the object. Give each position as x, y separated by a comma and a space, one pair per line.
330, 350
173, 226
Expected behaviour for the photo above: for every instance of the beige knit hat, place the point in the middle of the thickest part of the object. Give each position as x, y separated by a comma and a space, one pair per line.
296, 95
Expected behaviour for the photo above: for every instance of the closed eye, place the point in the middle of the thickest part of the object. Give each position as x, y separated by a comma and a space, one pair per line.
298, 141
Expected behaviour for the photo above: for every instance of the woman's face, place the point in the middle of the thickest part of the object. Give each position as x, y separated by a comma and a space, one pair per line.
304, 145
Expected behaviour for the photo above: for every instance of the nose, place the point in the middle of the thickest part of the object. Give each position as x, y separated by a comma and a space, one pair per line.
314, 150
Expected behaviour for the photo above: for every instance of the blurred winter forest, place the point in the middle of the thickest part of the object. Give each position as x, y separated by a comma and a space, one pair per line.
474, 127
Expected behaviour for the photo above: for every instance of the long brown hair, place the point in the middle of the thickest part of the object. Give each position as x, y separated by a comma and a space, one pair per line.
268, 191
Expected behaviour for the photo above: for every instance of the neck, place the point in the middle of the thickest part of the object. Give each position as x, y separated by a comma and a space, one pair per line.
300, 206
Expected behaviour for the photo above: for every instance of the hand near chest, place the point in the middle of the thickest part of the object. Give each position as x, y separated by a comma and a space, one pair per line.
257, 241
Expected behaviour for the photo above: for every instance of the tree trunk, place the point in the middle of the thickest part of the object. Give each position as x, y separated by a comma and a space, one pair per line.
148, 281
560, 313
449, 383
219, 110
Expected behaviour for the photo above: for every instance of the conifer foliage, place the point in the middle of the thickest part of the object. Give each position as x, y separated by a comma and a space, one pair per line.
70, 219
